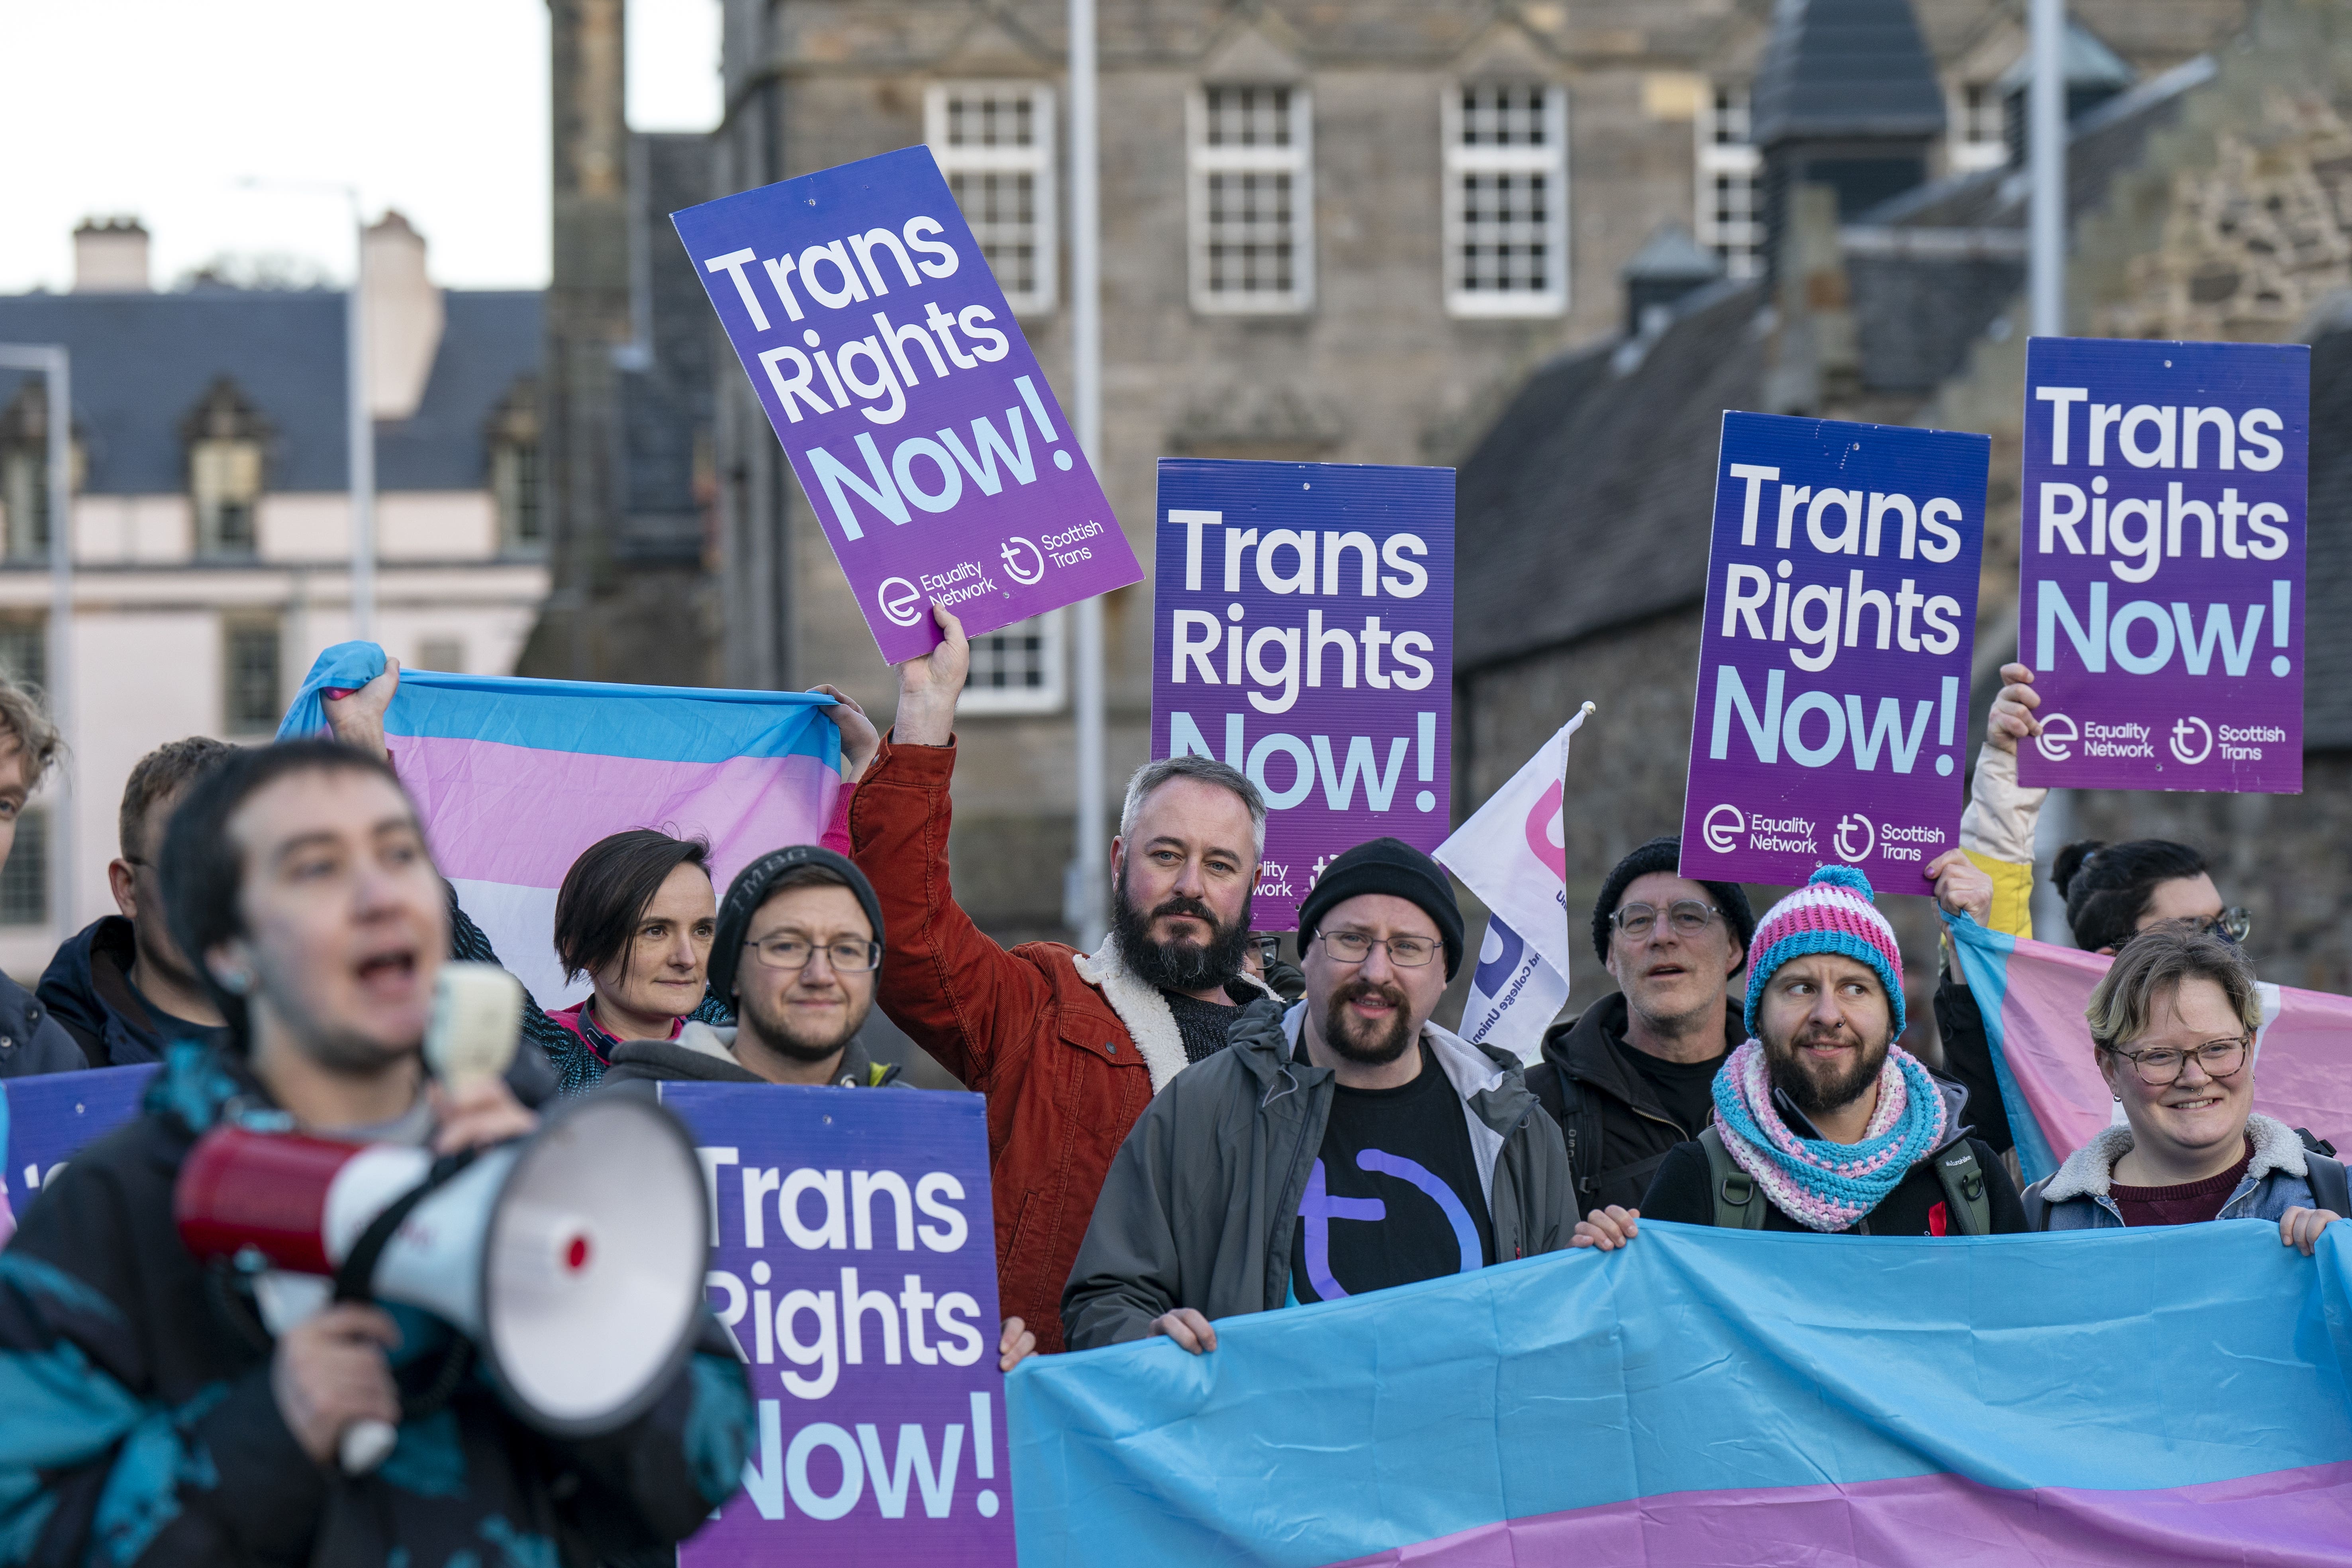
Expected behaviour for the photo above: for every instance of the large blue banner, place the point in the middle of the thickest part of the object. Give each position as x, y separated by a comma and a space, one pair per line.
1703, 1396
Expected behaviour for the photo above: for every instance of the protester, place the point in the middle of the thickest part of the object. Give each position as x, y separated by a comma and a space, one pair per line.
31, 1041
151, 1418
1822, 1121
1399, 1151
1633, 1075
1068, 1046
120, 987
2111, 891
2173, 1022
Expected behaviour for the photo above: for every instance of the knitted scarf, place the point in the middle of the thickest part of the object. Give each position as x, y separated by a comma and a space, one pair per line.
1822, 1185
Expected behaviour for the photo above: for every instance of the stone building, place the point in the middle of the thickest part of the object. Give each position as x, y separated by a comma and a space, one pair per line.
2208, 199
1345, 233
210, 518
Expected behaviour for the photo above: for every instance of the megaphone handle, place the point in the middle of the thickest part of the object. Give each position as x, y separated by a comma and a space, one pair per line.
364, 1444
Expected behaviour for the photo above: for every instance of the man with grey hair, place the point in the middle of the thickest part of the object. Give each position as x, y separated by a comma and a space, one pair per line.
1068, 1046
30, 1040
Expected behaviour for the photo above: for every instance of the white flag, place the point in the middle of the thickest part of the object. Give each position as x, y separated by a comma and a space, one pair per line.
1513, 855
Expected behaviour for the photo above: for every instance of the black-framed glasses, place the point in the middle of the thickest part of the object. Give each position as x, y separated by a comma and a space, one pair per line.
2162, 1067
1405, 951
1687, 917
1269, 948
847, 956
2233, 924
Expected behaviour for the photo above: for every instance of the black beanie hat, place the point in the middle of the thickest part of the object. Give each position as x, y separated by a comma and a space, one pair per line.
1393, 867
749, 890
1664, 853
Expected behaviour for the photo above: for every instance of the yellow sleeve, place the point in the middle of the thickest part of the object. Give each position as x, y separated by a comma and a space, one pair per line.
1996, 832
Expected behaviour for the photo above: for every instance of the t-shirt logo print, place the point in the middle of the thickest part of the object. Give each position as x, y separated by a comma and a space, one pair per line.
1320, 1207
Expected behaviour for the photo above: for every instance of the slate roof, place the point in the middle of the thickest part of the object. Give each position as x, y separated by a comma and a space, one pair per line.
142, 361
1840, 68
2327, 625
1589, 504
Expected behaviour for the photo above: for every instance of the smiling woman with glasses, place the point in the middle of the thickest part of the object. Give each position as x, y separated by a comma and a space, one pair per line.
2174, 1023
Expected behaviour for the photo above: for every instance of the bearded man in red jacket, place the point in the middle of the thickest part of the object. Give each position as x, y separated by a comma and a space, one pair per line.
1068, 1046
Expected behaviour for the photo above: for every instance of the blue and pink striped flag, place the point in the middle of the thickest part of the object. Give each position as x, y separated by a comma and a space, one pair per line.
515, 777
2121, 1397
2032, 995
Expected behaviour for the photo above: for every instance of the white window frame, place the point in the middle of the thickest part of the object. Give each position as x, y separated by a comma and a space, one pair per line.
1742, 252
1550, 159
1037, 161
1969, 152
1047, 698
1298, 160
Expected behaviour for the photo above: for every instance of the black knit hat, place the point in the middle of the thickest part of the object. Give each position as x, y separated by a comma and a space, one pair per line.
749, 889
1664, 853
1393, 867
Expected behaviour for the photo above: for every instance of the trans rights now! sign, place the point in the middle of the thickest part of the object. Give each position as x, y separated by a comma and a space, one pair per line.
1302, 631
925, 437
1833, 659
854, 1259
2160, 599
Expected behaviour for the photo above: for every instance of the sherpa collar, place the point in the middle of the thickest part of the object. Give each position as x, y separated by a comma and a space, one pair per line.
2089, 1170
1151, 1023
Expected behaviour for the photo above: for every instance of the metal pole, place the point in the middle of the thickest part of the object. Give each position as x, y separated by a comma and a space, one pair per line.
1086, 351
360, 435
56, 364
2045, 143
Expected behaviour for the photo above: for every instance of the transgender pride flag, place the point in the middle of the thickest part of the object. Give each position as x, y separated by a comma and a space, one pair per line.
2032, 995
514, 778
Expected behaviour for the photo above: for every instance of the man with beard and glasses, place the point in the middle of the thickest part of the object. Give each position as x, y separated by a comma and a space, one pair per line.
1822, 1121
1068, 1046
1345, 1145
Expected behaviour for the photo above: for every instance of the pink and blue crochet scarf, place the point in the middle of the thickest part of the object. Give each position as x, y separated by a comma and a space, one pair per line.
1821, 1186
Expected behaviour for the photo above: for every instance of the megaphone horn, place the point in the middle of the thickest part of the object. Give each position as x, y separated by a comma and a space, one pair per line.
572, 1259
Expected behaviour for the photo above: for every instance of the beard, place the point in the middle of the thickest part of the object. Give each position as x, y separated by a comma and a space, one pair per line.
786, 1036
1815, 1090
1365, 1044
1183, 964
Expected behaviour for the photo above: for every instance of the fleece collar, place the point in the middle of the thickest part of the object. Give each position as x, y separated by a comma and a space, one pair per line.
2090, 1170
1151, 1023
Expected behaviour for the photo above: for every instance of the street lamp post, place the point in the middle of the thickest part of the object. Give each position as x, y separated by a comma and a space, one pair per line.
56, 364
1085, 352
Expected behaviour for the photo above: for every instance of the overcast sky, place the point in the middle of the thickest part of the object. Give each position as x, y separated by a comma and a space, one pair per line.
162, 108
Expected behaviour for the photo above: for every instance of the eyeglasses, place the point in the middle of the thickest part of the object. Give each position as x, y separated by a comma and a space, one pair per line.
791, 952
1354, 947
2161, 1067
1687, 916
2231, 924
1269, 949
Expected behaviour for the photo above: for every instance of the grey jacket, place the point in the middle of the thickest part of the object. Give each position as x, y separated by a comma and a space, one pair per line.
2076, 1198
1198, 1208
705, 1053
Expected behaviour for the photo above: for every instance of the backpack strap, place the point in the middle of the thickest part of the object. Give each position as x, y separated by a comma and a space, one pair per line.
2330, 1188
1964, 1189
1737, 1203
2037, 1207
2315, 1142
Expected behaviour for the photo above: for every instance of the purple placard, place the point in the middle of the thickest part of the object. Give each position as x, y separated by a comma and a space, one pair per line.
1833, 659
1302, 631
2160, 592
880, 1429
926, 438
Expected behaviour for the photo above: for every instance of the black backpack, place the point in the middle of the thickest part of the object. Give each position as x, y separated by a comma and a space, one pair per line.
1578, 1113
1738, 1205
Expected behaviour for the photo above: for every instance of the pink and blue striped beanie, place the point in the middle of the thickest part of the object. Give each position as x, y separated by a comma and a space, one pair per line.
1833, 912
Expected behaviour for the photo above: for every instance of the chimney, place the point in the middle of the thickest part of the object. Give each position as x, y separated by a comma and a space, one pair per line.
1670, 265
403, 315
1845, 97
110, 257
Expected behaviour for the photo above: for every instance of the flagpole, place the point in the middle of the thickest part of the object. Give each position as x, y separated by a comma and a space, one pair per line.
1569, 915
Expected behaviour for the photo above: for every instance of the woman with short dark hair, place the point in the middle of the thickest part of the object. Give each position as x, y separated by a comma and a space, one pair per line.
2173, 1024
635, 917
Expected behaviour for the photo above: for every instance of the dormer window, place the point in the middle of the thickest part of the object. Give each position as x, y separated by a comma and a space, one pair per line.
513, 437
225, 438
25, 473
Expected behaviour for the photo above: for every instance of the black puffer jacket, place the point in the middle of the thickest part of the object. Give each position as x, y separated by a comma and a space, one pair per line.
1617, 1132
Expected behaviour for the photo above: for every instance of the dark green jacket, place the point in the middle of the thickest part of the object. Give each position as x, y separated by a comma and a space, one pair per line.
1198, 1208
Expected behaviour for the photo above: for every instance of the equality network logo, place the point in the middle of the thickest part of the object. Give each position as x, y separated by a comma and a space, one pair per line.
1722, 828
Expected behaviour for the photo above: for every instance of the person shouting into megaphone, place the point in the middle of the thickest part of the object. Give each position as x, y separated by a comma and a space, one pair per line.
149, 1414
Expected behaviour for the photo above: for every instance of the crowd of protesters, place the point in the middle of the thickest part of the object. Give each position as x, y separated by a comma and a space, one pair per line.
1180, 1130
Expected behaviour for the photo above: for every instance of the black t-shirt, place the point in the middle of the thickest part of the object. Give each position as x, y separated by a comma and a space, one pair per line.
1914, 1208
1394, 1194
1686, 1089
